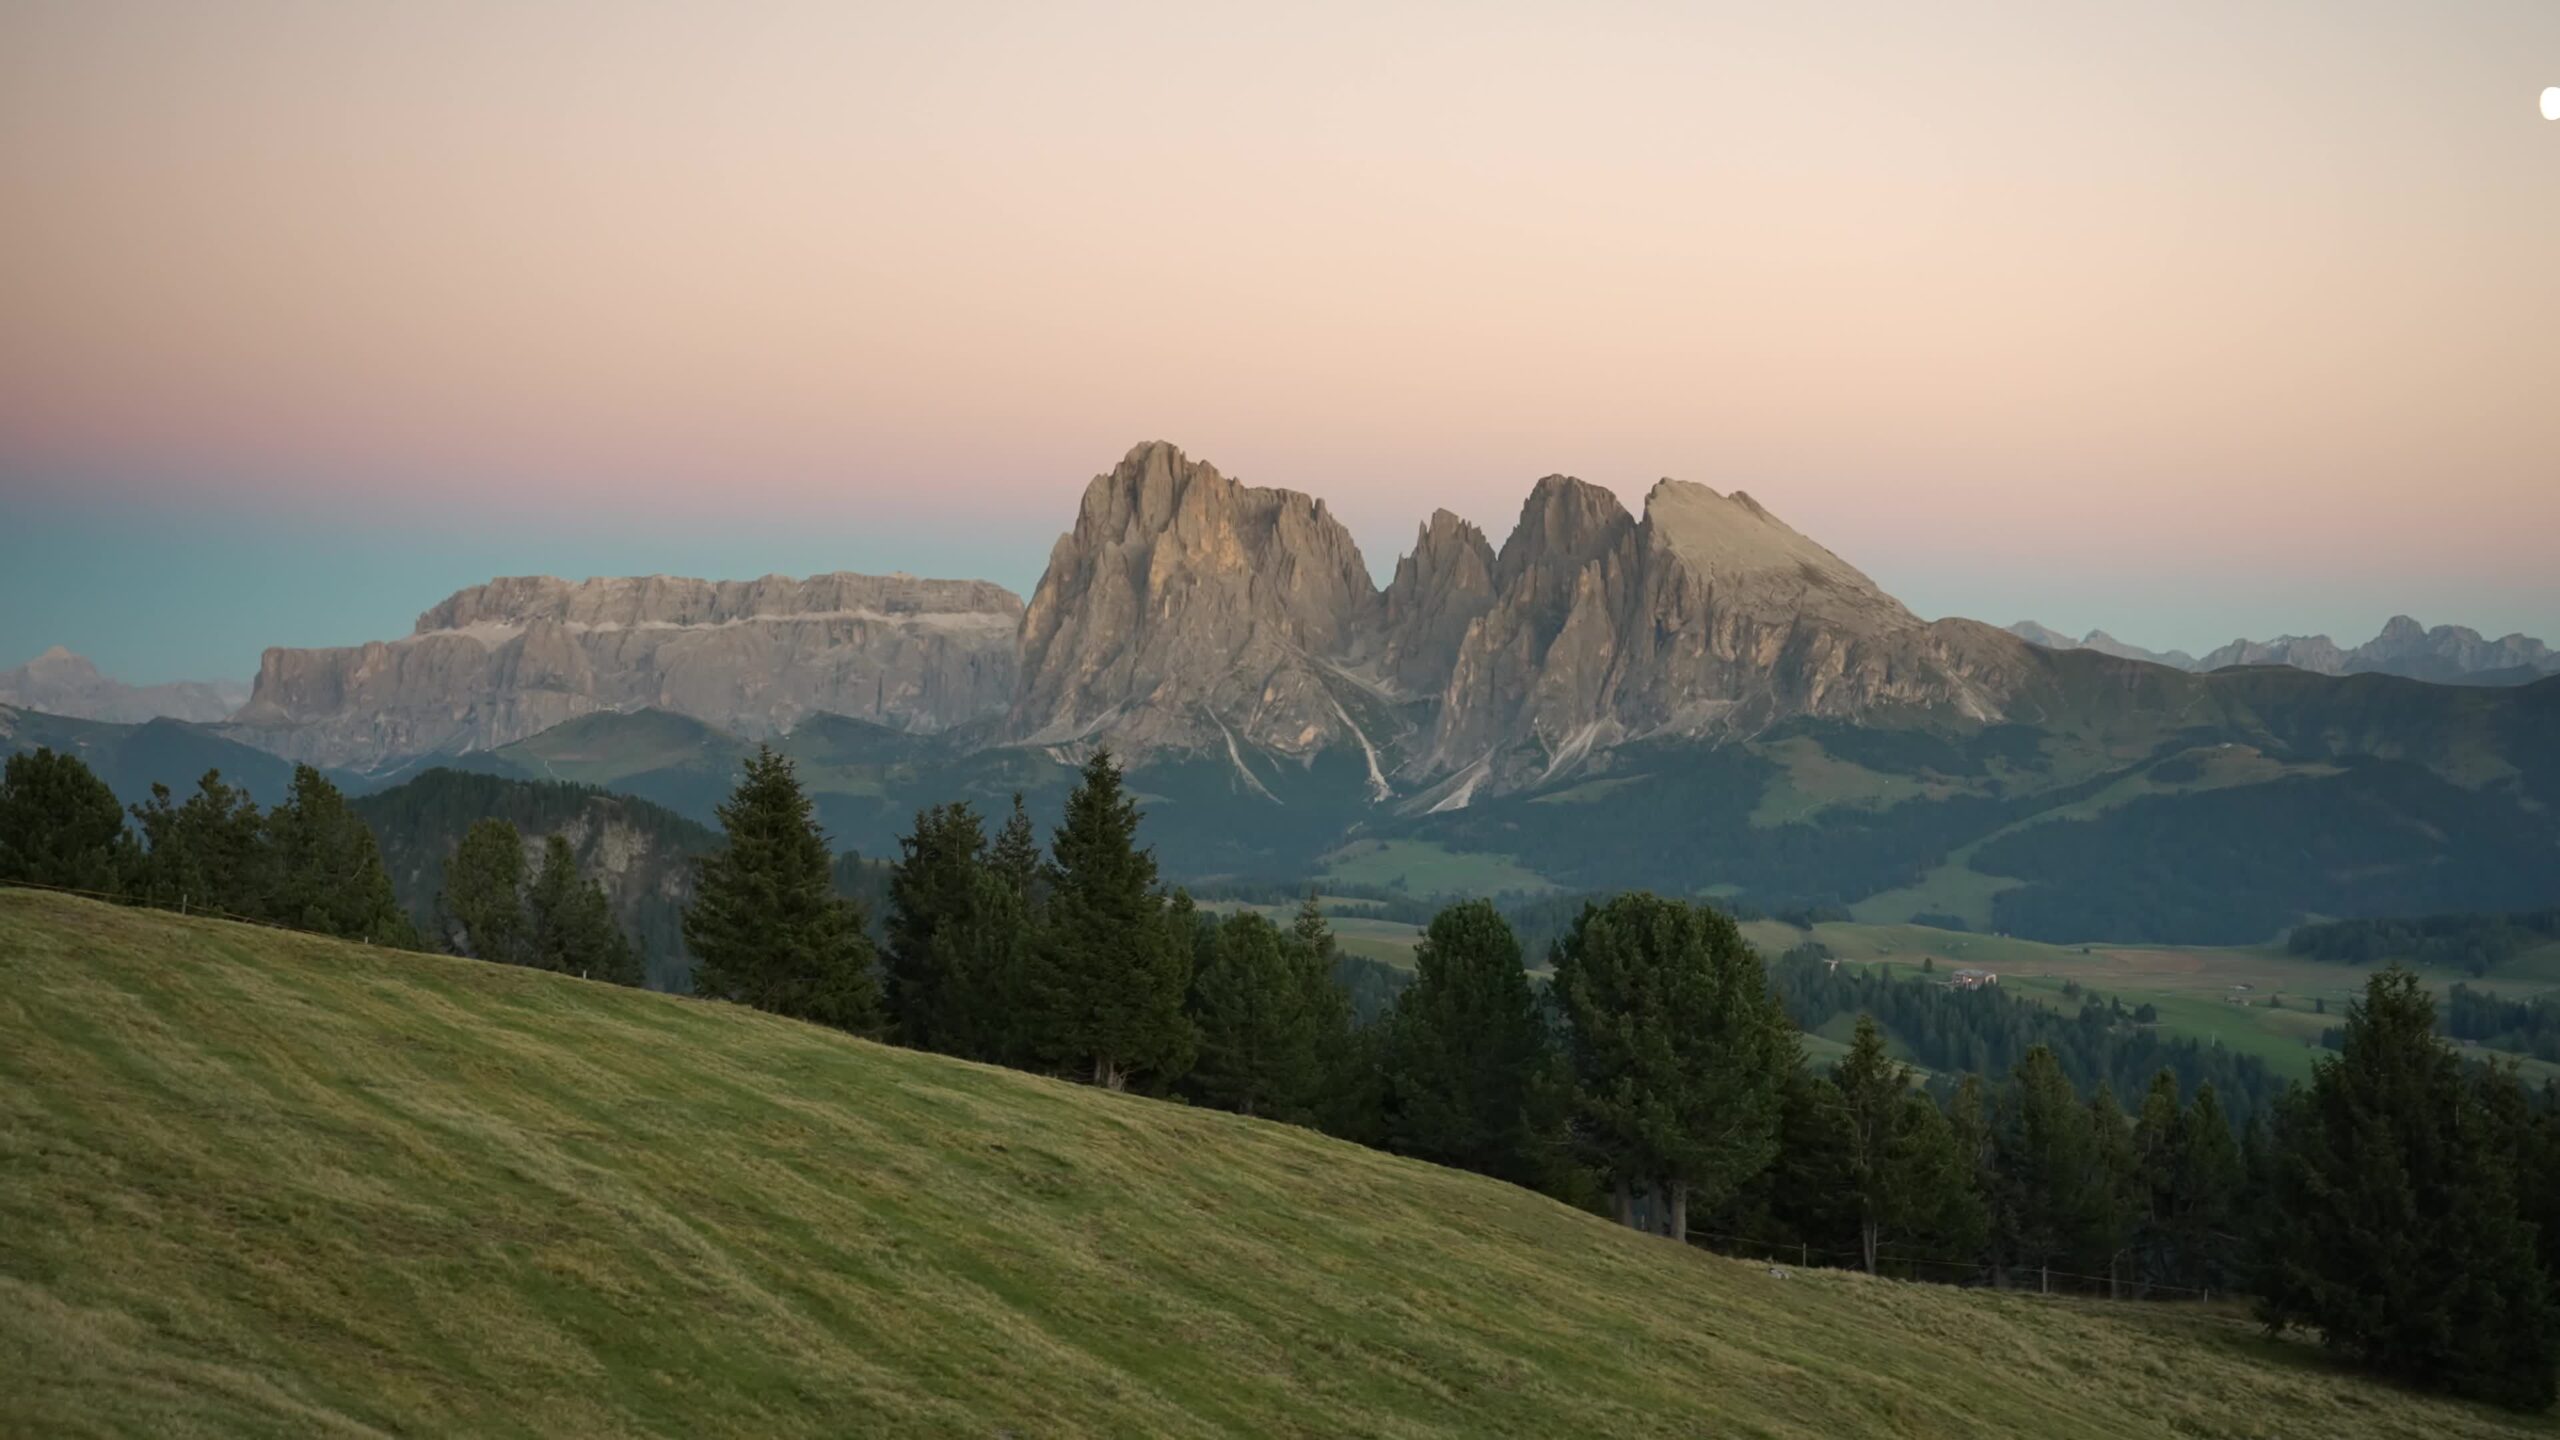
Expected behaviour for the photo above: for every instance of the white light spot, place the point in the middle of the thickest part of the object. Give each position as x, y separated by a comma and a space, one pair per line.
2551, 103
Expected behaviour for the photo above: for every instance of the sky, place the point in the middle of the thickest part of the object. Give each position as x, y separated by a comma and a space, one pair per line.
2185, 319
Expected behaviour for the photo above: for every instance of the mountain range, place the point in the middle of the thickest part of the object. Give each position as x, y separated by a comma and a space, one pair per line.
2445, 655
1694, 697
58, 682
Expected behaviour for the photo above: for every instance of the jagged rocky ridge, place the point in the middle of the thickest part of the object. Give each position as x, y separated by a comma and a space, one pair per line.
2445, 654
1187, 612
499, 662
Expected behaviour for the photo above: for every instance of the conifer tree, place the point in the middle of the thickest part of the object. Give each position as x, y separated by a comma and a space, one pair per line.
1259, 1038
569, 925
2205, 1217
932, 964
1679, 1053
1933, 1204
60, 825
2047, 1204
766, 926
2395, 1229
1870, 1086
1105, 991
329, 875
1469, 1064
1346, 1078
2116, 1178
210, 853
1015, 856
483, 904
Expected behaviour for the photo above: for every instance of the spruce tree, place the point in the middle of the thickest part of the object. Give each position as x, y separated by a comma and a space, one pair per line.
1679, 1053
569, 924
482, 905
1105, 993
1259, 1036
1468, 1059
766, 926
2395, 1228
60, 825
329, 875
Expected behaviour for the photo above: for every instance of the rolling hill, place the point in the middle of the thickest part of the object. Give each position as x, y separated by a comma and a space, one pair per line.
254, 1182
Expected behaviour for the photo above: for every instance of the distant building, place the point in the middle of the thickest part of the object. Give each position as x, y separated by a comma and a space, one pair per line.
1973, 979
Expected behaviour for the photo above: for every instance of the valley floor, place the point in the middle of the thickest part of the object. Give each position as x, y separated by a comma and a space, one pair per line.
257, 1183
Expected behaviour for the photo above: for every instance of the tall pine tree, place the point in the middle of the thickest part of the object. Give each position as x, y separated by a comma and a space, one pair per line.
766, 926
1105, 991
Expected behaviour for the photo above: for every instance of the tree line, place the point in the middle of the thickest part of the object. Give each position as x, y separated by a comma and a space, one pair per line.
309, 863
2471, 942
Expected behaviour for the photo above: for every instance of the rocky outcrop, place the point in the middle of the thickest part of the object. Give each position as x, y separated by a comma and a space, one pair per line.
1708, 616
58, 682
1188, 612
499, 662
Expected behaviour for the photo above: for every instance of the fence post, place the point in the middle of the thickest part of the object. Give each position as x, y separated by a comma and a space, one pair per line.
2044, 1278
1804, 1255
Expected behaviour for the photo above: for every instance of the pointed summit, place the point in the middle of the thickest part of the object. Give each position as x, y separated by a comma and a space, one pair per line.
1186, 611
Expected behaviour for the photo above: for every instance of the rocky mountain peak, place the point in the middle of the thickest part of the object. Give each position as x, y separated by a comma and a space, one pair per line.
1757, 560
1438, 590
1188, 611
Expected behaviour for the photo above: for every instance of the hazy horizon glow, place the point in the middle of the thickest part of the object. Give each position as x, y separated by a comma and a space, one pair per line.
2184, 320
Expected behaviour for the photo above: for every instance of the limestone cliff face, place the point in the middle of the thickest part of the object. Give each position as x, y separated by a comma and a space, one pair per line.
1186, 611
499, 662
1709, 616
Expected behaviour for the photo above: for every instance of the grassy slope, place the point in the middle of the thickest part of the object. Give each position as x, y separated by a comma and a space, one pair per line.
261, 1183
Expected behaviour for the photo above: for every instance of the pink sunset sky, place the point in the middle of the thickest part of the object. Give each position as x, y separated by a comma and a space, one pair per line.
2184, 319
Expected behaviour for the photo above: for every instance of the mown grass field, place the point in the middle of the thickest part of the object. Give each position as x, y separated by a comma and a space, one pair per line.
257, 1183
2213, 994
1423, 867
